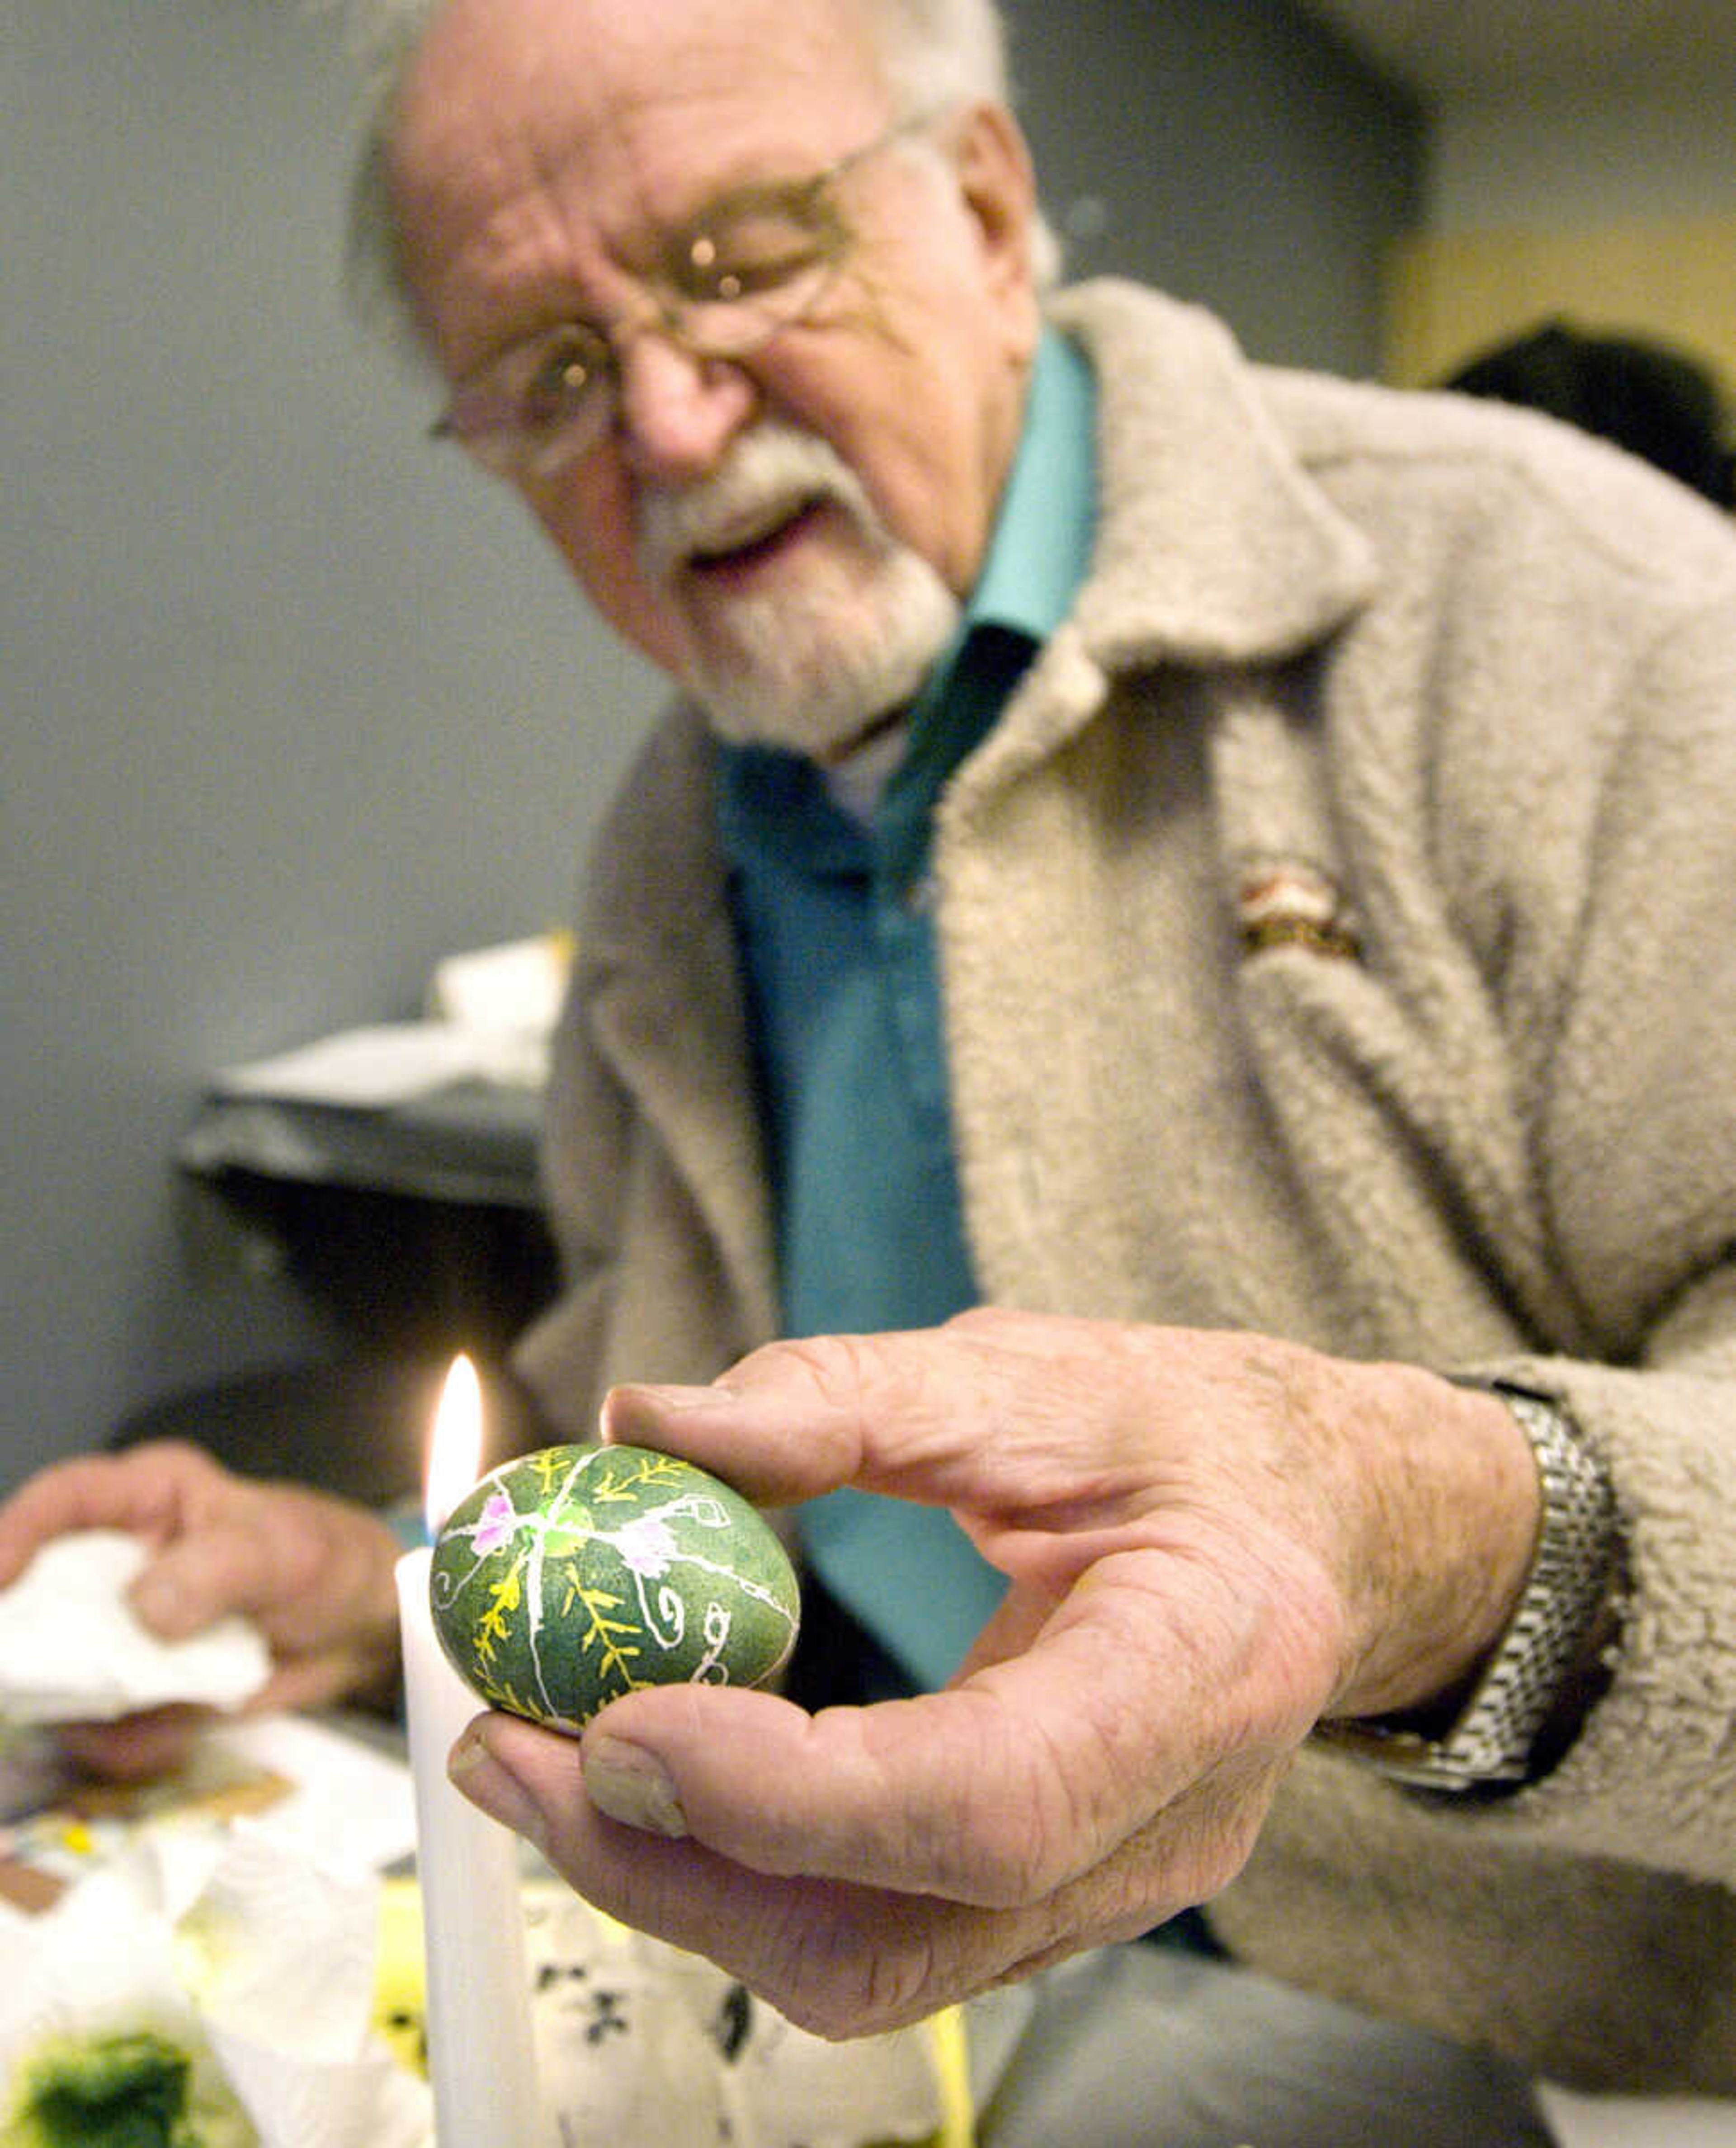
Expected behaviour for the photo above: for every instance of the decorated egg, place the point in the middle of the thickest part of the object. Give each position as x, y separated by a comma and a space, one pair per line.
579, 1574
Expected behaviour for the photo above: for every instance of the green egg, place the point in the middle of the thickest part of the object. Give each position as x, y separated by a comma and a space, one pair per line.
577, 1574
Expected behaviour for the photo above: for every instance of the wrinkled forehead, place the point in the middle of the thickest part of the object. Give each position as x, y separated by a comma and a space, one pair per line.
637, 106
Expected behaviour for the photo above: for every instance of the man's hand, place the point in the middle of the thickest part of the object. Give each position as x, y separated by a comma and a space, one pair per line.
1211, 1541
314, 1572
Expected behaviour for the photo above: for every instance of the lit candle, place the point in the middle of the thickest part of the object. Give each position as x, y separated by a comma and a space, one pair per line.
479, 2053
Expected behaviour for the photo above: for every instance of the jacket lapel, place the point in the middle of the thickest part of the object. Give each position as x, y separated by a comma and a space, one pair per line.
660, 981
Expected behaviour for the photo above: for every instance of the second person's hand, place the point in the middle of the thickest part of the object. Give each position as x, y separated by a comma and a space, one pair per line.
315, 1573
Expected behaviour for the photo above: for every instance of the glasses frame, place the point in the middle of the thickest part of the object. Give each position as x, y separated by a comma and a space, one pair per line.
487, 414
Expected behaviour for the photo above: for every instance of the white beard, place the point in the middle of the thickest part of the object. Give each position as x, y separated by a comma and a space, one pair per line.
812, 665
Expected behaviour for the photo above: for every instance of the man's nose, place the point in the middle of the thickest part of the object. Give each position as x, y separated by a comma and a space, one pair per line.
677, 412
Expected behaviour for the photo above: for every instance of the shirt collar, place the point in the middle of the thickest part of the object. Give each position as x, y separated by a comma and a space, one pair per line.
1041, 548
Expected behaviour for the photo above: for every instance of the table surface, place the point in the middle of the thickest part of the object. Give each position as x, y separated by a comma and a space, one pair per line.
471, 1142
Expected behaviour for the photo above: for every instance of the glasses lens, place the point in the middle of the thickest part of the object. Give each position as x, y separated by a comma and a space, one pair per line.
734, 321
559, 394
536, 408
752, 266
559, 376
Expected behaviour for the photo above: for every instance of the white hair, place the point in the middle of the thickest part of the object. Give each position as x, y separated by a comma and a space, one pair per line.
932, 54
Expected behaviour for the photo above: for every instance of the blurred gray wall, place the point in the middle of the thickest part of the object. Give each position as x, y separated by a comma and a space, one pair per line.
1230, 151
291, 704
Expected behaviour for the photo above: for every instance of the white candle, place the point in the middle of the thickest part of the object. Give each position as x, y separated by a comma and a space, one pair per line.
480, 2058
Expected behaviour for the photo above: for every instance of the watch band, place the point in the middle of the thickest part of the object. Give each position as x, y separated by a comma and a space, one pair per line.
1558, 1617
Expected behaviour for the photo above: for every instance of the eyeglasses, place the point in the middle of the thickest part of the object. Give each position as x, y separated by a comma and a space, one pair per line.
759, 259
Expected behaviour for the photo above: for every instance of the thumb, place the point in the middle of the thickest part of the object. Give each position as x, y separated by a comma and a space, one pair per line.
222, 1568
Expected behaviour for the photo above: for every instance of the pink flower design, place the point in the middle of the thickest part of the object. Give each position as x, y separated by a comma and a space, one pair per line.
646, 1544
494, 1524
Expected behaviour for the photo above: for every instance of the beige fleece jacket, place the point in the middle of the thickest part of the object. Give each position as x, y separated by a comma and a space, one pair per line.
1338, 939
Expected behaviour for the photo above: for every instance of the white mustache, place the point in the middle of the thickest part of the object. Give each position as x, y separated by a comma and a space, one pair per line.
767, 476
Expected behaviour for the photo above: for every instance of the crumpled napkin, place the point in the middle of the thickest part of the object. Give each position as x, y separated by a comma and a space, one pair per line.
257, 1965
71, 1649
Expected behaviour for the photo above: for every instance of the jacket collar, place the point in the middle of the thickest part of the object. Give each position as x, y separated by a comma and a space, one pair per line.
1195, 473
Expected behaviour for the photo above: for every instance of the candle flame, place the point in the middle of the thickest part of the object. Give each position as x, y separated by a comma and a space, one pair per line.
454, 1454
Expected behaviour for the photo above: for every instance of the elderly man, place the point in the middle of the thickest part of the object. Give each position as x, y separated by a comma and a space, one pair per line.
1235, 872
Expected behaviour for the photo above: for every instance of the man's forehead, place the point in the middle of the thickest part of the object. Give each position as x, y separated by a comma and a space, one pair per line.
662, 100
776, 54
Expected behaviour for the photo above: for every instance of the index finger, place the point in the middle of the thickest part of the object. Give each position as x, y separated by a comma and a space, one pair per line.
139, 1492
991, 1411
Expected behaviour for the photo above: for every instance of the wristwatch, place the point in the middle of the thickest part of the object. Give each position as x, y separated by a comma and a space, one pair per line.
1509, 1730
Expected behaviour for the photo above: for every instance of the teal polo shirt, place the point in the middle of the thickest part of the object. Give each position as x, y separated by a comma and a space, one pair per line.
845, 1004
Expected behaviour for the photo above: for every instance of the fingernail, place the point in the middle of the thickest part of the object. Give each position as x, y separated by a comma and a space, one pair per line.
673, 1398
630, 1412
628, 1784
474, 1770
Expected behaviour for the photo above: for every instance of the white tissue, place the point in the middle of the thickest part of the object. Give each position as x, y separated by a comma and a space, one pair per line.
71, 1649
259, 1966
289, 1952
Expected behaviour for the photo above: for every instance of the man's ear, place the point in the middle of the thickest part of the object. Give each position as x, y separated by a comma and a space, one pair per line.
1000, 188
